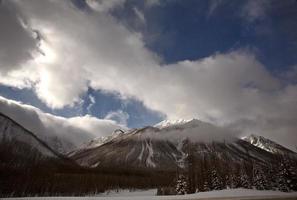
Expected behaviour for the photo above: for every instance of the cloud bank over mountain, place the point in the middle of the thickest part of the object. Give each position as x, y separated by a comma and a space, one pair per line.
75, 130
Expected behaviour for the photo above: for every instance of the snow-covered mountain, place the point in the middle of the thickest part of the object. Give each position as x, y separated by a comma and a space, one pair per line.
167, 146
20, 148
176, 122
267, 145
60, 133
135, 154
96, 142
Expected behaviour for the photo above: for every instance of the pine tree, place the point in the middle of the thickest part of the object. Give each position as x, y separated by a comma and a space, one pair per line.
271, 177
228, 181
259, 178
235, 181
206, 186
216, 183
181, 185
286, 177
191, 164
244, 179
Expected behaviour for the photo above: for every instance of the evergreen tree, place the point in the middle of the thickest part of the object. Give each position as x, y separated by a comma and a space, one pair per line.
191, 164
259, 178
216, 183
235, 181
244, 179
228, 181
271, 177
181, 185
286, 177
206, 186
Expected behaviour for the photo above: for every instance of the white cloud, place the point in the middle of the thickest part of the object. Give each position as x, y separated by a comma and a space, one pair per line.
71, 132
140, 15
92, 49
119, 116
255, 10
92, 103
213, 5
150, 3
103, 5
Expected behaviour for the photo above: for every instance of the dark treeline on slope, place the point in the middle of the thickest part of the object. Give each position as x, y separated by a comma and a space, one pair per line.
21, 175
212, 173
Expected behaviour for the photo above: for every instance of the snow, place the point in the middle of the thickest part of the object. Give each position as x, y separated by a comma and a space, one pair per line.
130, 153
181, 161
267, 144
235, 194
141, 153
167, 123
256, 141
96, 142
10, 131
194, 129
128, 193
149, 161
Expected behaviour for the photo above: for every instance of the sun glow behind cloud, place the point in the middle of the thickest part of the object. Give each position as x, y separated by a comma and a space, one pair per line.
46, 54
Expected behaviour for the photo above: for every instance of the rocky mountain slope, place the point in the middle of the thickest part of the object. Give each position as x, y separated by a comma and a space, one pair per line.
267, 145
143, 158
22, 148
167, 147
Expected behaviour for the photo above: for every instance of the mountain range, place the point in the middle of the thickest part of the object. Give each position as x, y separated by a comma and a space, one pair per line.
166, 147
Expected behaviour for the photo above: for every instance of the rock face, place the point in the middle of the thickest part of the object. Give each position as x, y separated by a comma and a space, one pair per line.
267, 145
168, 147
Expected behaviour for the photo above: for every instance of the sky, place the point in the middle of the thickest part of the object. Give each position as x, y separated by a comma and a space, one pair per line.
135, 63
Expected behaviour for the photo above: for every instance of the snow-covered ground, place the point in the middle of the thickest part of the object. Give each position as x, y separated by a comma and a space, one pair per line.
234, 194
128, 193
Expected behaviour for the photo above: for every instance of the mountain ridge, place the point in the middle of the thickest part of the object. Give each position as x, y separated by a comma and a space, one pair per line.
146, 147
25, 131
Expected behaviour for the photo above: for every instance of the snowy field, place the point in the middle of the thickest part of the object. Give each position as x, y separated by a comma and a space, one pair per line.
236, 194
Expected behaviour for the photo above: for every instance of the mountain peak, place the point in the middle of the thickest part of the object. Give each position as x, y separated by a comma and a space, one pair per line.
167, 123
266, 144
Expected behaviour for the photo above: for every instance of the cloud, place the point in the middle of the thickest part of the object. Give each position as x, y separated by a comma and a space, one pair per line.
150, 3
92, 103
139, 15
70, 132
255, 10
119, 116
104, 6
18, 42
213, 5
92, 49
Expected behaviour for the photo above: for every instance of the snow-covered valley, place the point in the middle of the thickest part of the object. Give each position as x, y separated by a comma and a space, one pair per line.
230, 194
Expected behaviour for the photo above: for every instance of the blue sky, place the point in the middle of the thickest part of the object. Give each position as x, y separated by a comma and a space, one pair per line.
179, 30
139, 115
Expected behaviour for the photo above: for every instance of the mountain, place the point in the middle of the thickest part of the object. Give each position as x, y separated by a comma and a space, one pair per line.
22, 148
96, 142
167, 123
30, 167
60, 133
267, 145
149, 157
167, 147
